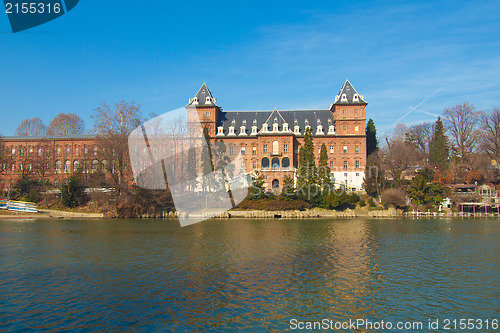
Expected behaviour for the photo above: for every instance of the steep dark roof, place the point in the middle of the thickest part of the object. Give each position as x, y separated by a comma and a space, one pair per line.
201, 97
292, 117
349, 92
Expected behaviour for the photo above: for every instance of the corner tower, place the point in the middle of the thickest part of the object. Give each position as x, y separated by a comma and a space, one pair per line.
349, 111
203, 108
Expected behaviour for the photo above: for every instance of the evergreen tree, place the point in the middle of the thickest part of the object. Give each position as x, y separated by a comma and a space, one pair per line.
191, 167
288, 191
371, 137
438, 147
73, 193
206, 158
306, 175
257, 190
323, 168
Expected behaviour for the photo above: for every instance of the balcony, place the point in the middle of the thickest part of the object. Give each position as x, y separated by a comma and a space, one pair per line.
276, 154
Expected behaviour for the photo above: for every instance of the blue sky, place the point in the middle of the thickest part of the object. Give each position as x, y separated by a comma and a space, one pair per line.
254, 56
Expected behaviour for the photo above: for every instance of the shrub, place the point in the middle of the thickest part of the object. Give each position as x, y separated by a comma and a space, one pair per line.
73, 193
394, 197
372, 203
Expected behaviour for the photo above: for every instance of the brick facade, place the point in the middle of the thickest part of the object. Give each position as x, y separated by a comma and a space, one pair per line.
269, 142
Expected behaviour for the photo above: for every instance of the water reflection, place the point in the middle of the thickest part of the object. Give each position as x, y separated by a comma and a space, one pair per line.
243, 274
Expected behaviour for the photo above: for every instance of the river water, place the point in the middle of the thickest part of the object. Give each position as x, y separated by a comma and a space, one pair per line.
246, 275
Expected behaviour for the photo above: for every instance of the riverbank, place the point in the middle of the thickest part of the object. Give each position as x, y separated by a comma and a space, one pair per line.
49, 214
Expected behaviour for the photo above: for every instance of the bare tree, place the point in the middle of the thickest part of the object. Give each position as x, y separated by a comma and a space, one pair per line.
397, 155
31, 127
66, 124
462, 123
490, 138
419, 136
112, 127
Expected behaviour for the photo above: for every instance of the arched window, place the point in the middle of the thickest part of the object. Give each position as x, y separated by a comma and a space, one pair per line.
285, 163
58, 166
76, 166
104, 164
276, 147
265, 163
95, 166
276, 164
2, 184
276, 184
67, 167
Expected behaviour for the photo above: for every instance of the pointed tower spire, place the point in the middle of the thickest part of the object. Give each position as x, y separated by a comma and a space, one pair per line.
203, 98
349, 95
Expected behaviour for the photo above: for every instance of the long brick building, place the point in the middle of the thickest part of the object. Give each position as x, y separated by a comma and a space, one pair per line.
269, 141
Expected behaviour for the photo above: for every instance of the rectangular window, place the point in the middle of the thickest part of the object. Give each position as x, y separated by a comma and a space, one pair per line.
208, 114
4, 167
39, 152
242, 150
297, 150
231, 150
331, 165
13, 167
265, 148
67, 151
357, 174
85, 150
13, 151
345, 165
345, 149
21, 152
254, 150
357, 164
47, 152
254, 165
95, 151
30, 152
285, 148
77, 150
242, 165
319, 150
21, 167
356, 111
356, 128
58, 151
344, 128
344, 111
332, 149
357, 149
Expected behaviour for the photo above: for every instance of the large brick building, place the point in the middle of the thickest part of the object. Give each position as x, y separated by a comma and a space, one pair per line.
269, 141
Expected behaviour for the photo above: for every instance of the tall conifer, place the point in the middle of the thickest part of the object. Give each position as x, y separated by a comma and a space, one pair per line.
438, 147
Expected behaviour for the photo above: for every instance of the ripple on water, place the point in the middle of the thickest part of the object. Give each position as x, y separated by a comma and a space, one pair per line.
243, 275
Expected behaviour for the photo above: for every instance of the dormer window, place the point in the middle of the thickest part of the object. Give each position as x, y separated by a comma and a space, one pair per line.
220, 131
265, 127
254, 130
231, 130
207, 100
319, 130
355, 98
344, 98
275, 127
307, 124
243, 130
296, 129
285, 127
331, 129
